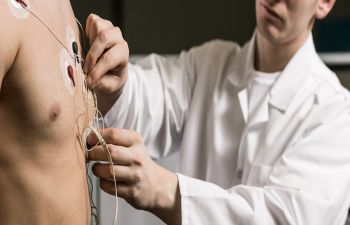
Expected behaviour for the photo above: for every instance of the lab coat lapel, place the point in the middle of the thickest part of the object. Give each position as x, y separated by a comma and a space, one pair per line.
240, 78
287, 85
293, 76
241, 75
283, 91
243, 100
261, 115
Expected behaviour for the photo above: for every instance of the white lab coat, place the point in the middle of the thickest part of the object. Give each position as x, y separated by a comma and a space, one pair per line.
297, 171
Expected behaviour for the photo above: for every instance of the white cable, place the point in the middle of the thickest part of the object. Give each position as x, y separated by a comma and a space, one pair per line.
102, 142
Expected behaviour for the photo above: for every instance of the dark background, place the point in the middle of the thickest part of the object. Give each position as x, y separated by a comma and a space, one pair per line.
168, 26
165, 26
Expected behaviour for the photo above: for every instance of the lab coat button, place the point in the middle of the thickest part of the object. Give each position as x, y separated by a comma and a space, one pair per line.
240, 174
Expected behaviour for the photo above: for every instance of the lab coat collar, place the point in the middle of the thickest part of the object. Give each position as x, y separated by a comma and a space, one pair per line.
258, 117
241, 74
293, 75
290, 80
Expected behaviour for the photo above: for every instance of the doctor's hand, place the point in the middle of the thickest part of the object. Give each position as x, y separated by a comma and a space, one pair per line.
106, 63
140, 181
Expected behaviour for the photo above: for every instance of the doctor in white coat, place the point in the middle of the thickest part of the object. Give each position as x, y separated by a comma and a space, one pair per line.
263, 130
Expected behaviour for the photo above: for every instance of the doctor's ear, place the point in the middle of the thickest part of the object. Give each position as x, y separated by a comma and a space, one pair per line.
323, 8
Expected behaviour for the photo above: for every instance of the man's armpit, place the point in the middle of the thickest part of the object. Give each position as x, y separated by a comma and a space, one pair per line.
9, 40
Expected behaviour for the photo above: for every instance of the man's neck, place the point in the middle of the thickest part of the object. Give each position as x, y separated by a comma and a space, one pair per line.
271, 57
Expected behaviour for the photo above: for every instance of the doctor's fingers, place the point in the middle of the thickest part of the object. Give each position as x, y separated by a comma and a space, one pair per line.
95, 24
113, 62
125, 191
122, 173
110, 85
116, 136
120, 155
106, 39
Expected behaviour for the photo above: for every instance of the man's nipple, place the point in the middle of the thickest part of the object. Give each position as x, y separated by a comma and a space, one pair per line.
54, 112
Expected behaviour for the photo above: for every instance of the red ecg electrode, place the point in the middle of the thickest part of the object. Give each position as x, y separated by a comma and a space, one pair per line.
23, 4
71, 74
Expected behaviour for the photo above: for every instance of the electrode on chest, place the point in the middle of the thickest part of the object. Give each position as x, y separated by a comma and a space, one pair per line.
69, 65
19, 8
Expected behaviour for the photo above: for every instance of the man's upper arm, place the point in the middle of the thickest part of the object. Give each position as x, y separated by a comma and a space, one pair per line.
9, 40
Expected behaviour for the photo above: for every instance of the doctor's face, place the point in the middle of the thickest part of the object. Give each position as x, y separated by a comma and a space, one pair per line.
281, 21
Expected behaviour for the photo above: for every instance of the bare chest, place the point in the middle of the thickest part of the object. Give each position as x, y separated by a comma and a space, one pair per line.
44, 94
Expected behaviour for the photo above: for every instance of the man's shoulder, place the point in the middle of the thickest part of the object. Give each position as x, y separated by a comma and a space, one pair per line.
328, 82
9, 38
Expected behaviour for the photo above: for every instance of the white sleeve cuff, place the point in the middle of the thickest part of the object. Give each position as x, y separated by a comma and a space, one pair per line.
198, 196
185, 206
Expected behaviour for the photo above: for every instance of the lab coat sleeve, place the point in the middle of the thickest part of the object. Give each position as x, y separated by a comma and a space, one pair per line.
155, 100
308, 184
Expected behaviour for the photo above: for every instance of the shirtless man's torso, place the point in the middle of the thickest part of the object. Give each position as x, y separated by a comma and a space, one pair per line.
42, 164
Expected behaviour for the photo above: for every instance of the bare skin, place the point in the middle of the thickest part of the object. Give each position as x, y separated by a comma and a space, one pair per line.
42, 164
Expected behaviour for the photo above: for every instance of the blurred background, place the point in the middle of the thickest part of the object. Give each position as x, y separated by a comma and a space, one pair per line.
167, 27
